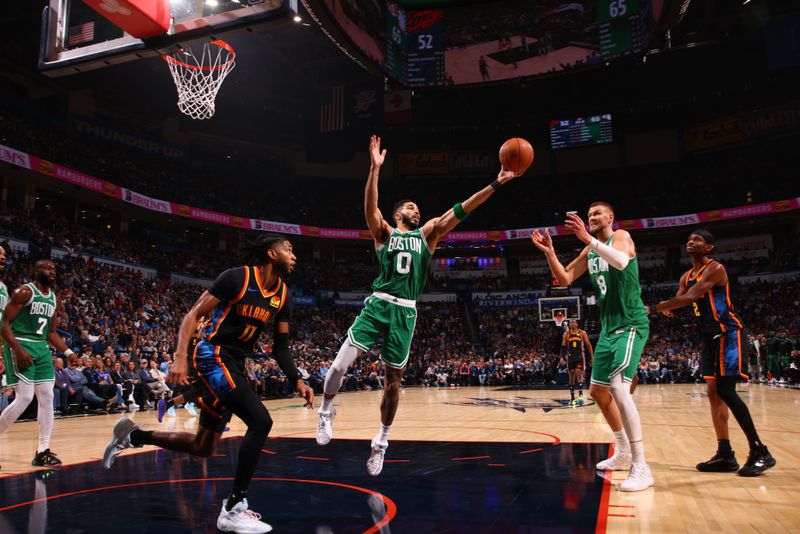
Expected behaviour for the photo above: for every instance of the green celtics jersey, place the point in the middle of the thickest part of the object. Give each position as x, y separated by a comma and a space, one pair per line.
3, 300
404, 261
34, 319
618, 293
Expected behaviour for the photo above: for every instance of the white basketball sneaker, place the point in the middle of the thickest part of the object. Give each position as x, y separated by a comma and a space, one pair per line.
640, 478
120, 440
240, 519
325, 426
619, 461
376, 455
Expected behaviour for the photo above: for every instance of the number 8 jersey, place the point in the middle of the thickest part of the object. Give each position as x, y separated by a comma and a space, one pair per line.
244, 309
404, 260
619, 294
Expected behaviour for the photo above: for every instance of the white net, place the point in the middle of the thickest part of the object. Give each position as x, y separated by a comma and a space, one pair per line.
198, 75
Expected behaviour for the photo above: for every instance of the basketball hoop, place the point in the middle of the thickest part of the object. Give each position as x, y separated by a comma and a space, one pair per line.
559, 318
198, 76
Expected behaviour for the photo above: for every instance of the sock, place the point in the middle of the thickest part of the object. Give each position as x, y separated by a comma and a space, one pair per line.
44, 396
326, 405
571, 392
724, 448
580, 393
726, 389
637, 452
383, 435
621, 444
237, 495
140, 437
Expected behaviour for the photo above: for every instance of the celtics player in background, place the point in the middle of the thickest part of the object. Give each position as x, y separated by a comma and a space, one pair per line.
29, 324
610, 258
404, 255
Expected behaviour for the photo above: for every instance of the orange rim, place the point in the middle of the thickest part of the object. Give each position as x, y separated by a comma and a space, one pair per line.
170, 58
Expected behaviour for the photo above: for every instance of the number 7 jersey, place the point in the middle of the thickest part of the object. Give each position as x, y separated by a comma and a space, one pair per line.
33, 322
404, 261
619, 294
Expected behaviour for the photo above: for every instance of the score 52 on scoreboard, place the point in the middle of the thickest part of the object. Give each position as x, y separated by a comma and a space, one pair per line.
425, 45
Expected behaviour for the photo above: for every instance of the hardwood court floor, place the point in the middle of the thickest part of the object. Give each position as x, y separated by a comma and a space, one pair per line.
677, 433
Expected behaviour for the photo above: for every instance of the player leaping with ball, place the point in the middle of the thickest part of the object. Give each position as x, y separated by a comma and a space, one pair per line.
610, 258
404, 255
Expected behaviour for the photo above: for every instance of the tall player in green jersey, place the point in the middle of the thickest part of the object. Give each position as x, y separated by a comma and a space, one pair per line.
610, 258
29, 324
404, 254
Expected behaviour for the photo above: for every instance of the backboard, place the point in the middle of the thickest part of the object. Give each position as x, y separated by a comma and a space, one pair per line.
548, 306
76, 38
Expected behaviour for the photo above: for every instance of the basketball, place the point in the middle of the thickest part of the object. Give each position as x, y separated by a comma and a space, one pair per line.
516, 155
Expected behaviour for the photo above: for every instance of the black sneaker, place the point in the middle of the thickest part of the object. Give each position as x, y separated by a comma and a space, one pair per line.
758, 461
45, 474
719, 464
46, 458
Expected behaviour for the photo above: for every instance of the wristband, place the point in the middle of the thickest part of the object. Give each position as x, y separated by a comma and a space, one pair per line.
458, 211
496, 184
68, 353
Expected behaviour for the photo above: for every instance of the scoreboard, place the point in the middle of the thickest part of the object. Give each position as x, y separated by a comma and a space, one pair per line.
623, 26
584, 131
425, 45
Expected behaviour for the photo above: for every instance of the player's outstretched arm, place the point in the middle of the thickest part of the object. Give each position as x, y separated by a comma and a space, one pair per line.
682, 289
377, 225
715, 275
564, 275
437, 228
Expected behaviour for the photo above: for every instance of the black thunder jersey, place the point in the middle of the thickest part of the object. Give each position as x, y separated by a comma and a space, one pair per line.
714, 310
575, 343
244, 309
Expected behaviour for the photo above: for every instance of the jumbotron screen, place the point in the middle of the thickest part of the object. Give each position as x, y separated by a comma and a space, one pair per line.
584, 131
471, 42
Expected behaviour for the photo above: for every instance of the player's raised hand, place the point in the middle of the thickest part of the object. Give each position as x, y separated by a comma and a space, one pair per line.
542, 241
377, 156
575, 225
504, 176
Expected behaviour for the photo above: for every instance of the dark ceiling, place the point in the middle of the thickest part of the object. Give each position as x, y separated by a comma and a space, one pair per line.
273, 93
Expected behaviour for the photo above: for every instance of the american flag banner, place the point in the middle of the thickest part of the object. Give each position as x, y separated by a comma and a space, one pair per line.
82, 33
331, 110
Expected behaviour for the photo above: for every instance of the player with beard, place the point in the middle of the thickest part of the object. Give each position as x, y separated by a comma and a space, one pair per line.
610, 258
705, 287
404, 254
239, 303
29, 324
